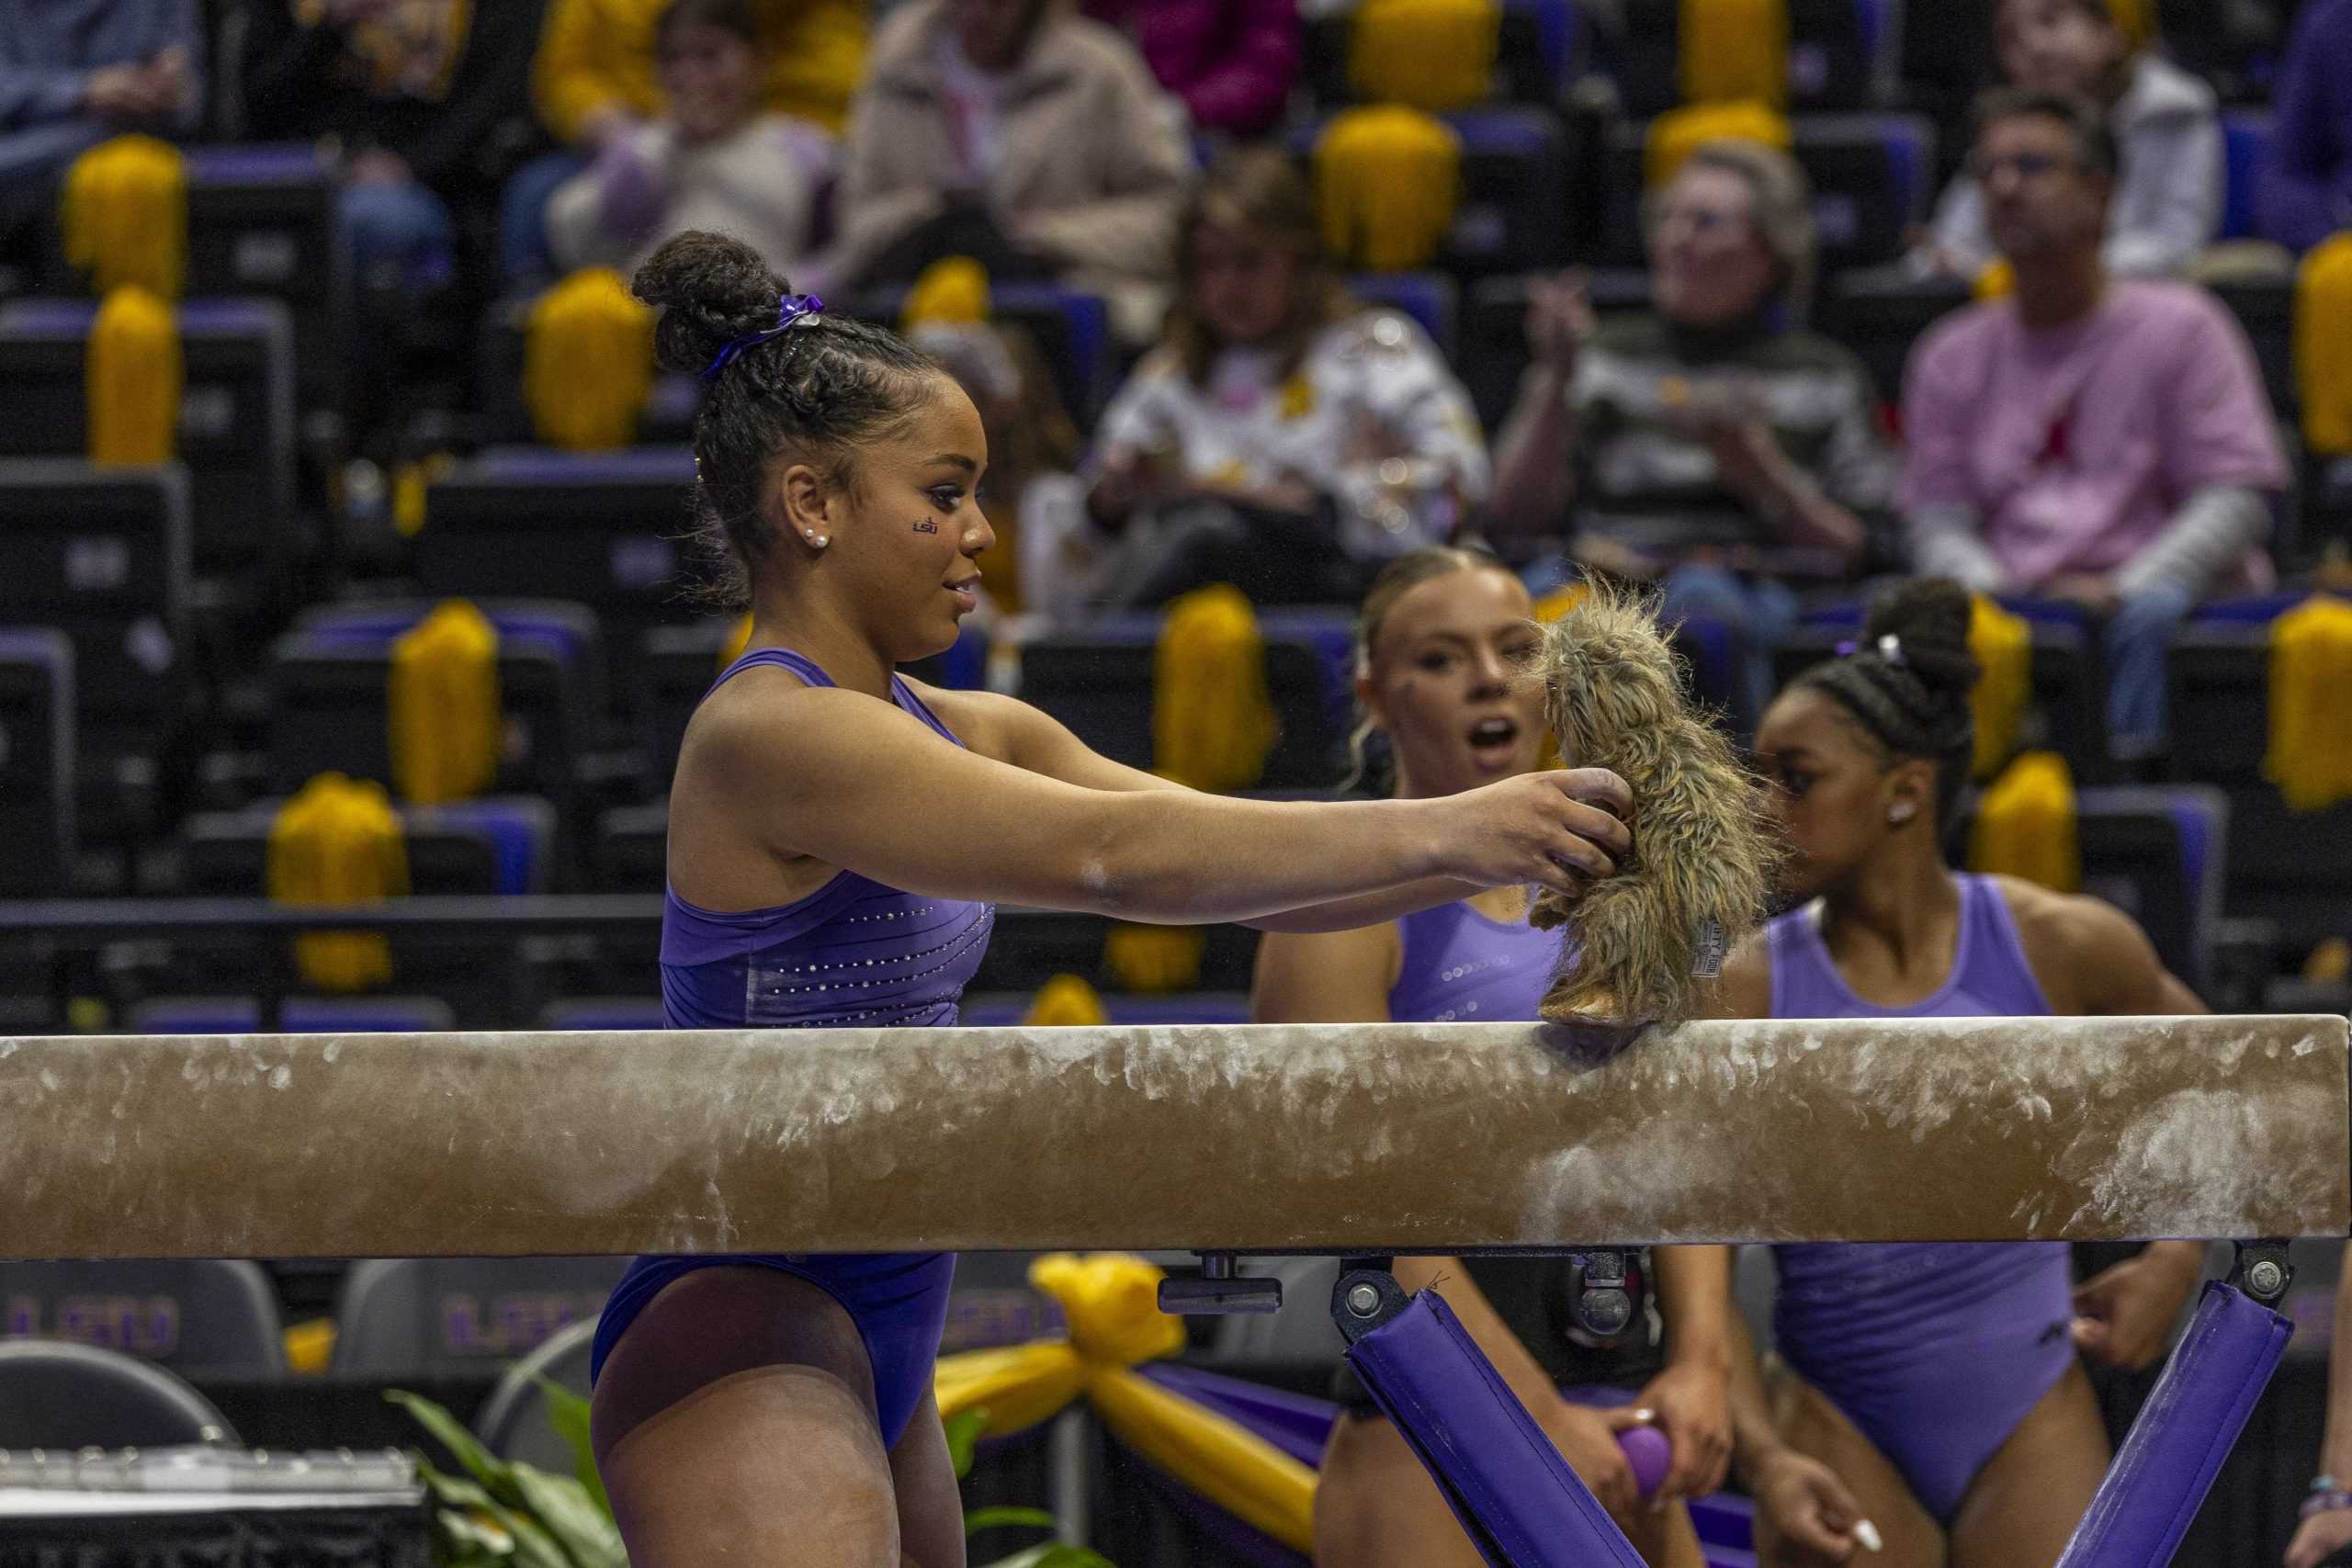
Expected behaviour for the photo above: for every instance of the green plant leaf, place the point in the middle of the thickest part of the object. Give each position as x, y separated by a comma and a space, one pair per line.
455, 1491
564, 1508
463, 1446
533, 1547
963, 1430
981, 1519
568, 1414
466, 1539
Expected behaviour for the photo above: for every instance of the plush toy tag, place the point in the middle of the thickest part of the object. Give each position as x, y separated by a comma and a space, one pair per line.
1707, 948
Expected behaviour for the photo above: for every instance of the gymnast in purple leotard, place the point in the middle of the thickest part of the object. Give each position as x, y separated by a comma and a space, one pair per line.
1932, 1390
838, 837
1440, 636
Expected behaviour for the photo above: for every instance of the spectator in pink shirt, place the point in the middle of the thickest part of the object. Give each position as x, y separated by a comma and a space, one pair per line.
2089, 439
1232, 62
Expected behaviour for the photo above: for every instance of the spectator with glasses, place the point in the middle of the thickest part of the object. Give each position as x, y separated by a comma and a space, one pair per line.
1714, 446
2165, 123
2089, 439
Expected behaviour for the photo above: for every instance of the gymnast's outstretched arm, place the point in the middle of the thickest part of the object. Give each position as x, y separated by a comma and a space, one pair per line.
828, 776
1036, 742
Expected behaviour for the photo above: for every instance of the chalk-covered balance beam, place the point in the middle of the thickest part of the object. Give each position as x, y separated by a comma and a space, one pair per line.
1322, 1138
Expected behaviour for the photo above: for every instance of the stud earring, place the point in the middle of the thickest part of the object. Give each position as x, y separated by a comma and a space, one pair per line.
1901, 812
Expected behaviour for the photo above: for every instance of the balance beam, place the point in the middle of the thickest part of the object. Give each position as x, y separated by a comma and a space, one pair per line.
1252, 1138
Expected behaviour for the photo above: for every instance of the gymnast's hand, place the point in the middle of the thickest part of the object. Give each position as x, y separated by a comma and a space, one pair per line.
2124, 1315
1691, 1405
2319, 1537
1562, 829
1587, 1438
1808, 1505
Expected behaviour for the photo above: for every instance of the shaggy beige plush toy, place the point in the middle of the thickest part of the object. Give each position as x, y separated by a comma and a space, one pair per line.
1701, 870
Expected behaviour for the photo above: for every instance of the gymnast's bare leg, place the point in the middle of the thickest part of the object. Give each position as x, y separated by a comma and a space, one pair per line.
742, 1429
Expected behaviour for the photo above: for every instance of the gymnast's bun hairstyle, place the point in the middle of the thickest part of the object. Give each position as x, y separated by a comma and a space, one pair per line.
816, 391
1909, 679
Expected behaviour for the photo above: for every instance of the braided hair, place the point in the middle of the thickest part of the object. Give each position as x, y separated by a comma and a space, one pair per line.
817, 391
1907, 682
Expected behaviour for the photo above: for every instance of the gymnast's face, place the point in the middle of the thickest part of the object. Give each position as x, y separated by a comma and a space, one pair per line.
1444, 682
901, 537
1836, 793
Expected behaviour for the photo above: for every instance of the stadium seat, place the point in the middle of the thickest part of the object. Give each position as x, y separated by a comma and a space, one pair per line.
236, 420
1873, 179
674, 667
2068, 677
298, 1015
993, 1304
1833, 47
102, 553
1881, 313
481, 848
1001, 1010
631, 848
1030, 946
1516, 167
39, 764
327, 689
261, 221
501, 415
200, 1318
1430, 299
496, 845
2265, 306
603, 1013
1071, 328
602, 529
102, 556
2246, 150
1945, 59
2293, 868
70, 1397
449, 1316
1539, 49
514, 1422
1099, 683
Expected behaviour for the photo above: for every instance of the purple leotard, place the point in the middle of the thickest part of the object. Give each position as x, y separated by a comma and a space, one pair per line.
1935, 1351
1461, 967
852, 952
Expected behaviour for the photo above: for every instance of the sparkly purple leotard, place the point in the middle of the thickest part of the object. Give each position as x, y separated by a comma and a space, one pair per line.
852, 952
1461, 967
1935, 1351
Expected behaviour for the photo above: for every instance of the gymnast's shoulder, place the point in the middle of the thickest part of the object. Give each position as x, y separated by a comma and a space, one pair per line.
765, 728
2091, 957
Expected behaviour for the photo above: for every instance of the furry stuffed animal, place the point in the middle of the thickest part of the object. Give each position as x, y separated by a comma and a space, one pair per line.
1705, 855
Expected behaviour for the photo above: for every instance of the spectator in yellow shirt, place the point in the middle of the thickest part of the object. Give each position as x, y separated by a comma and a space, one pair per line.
594, 82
